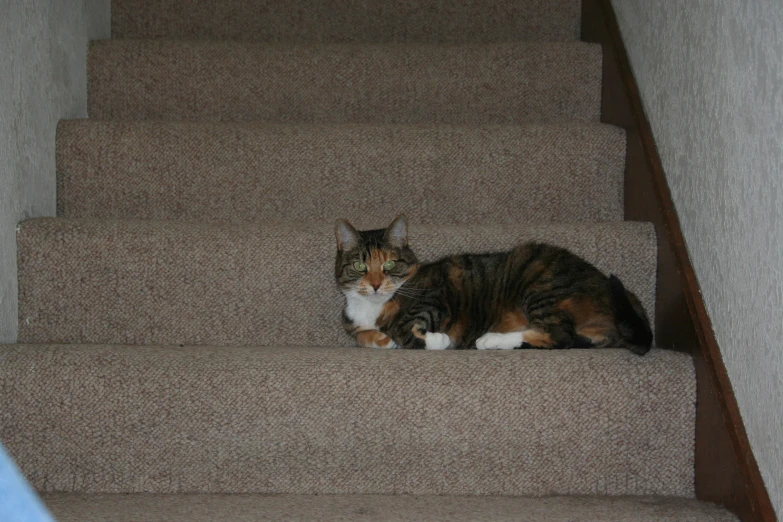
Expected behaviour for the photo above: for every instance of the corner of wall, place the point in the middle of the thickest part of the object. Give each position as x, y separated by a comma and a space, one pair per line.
44, 64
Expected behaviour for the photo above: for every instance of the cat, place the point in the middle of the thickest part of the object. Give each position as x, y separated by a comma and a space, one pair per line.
534, 296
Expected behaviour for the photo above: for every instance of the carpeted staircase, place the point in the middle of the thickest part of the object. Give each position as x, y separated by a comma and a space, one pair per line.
184, 359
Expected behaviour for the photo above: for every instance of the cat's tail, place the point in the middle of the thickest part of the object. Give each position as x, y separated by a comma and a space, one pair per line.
632, 321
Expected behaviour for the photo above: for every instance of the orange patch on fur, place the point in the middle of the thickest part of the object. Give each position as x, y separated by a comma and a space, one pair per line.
372, 339
389, 311
583, 310
457, 328
375, 276
377, 259
456, 273
597, 332
514, 321
416, 331
538, 267
538, 338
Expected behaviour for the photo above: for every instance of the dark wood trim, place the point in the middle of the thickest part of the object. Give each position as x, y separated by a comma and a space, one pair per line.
725, 468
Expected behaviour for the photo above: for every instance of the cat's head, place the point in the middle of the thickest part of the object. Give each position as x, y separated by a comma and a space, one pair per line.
373, 263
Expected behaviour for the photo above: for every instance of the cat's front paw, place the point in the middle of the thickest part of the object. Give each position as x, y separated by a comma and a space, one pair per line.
391, 345
385, 342
375, 339
436, 341
499, 341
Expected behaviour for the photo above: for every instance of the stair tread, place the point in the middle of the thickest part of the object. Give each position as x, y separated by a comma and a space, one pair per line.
331, 83
348, 508
163, 419
252, 171
165, 282
349, 20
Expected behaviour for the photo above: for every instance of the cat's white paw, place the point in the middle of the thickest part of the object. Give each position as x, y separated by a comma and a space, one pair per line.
436, 341
500, 341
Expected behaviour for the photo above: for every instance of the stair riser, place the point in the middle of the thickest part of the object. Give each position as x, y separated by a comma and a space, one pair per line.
87, 281
332, 421
373, 508
466, 84
369, 508
229, 172
349, 20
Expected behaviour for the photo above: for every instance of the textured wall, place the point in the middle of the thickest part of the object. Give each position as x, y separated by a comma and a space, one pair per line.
43, 78
711, 76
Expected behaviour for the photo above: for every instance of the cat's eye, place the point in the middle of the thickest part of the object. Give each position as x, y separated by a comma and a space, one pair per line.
388, 265
359, 266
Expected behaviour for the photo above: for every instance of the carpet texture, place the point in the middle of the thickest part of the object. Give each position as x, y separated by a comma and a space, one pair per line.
349, 20
154, 282
339, 421
375, 508
300, 83
254, 172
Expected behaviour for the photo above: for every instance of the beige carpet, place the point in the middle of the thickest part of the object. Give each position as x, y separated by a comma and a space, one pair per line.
158, 282
255, 172
349, 20
185, 351
344, 83
371, 508
341, 421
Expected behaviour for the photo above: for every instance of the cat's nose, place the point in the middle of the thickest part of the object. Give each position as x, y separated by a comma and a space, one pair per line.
376, 287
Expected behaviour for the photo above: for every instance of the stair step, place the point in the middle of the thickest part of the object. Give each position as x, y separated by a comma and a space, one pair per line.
349, 20
334, 83
375, 508
252, 172
118, 419
156, 282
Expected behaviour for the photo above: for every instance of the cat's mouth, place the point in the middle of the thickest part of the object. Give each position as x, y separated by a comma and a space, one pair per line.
379, 296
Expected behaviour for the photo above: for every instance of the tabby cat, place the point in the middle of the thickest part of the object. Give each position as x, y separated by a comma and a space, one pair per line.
535, 296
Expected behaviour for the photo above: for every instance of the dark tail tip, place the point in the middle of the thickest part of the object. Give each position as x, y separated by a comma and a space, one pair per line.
631, 320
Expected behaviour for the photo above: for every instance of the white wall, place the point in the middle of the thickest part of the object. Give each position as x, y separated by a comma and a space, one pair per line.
711, 77
43, 78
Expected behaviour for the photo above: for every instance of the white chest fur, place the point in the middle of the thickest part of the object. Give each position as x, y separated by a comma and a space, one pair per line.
362, 311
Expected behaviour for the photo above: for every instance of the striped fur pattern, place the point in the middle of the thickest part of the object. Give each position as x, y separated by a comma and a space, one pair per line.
534, 296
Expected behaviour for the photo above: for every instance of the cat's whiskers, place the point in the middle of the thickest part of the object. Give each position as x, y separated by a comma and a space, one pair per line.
412, 288
408, 293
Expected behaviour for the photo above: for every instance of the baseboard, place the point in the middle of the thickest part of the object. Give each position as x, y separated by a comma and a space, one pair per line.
725, 468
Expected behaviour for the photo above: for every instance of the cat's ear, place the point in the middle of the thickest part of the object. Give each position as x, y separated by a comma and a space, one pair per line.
347, 236
397, 233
